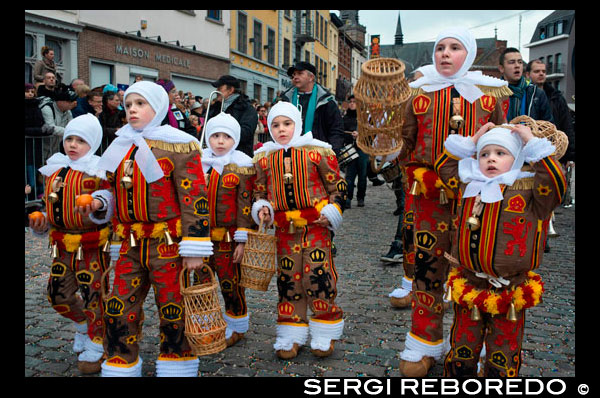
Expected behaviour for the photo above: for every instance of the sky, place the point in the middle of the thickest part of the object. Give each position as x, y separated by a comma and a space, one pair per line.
419, 25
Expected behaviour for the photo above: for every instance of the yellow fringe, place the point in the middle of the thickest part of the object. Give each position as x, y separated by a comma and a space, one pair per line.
240, 169
522, 184
185, 147
71, 241
137, 228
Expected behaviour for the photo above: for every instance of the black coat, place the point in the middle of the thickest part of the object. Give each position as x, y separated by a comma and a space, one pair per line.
34, 119
562, 119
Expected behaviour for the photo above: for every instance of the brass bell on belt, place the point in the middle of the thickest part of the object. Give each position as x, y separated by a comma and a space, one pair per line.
126, 182
292, 228
443, 197
227, 238
448, 295
511, 315
79, 255
475, 315
456, 122
414, 190
288, 178
54, 252
473, 223
53, 197
106, 247
132, 241
168, 238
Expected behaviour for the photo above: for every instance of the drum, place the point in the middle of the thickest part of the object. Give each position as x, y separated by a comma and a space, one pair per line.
390, 172
347, 155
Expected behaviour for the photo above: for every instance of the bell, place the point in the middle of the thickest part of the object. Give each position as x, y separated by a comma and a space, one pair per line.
168, 237
292, 228
53, 197
475, 315
227, 238
126, 182
414, 190
106, 247
448, 296
79, 255
54, 250
456, 122
288, 178
443, 197
132, 241
511, 315
473, 223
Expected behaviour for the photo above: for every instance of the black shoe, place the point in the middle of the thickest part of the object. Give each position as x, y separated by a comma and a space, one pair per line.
398, 211
333, 249
360, 203
377, 182
395, 253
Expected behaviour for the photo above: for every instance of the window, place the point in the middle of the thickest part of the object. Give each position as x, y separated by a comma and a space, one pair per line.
559, 27
243, 85
307, 56
213, 14
56, 45
551, 30
271, 48
326, 32
270, 93
100, 74
29, 57
558, 63
242, 42
257, 34
550, 65
257, 90
286, 54
287, 14
325, 73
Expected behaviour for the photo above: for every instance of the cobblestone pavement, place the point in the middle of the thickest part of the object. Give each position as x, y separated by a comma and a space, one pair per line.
374, 331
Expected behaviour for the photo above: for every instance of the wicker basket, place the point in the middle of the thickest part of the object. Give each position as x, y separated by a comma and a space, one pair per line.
381, 94
544, 129
259, 262
204, 323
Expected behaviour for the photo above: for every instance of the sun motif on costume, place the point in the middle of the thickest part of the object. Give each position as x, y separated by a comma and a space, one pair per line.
543, 190
186, 184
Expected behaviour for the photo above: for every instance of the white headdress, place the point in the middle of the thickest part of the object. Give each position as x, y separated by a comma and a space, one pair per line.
223, 123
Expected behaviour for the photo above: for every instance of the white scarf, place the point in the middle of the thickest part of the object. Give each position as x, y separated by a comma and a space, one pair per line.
127, 135
223, 123
298, 140
470, 173
463, 80
89, 129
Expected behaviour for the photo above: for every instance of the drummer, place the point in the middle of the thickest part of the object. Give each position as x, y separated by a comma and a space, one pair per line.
357, 167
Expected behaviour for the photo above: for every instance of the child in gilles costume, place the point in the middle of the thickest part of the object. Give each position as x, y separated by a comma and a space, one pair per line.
159, 196
65, 179
503, 213
230, 176
299, 189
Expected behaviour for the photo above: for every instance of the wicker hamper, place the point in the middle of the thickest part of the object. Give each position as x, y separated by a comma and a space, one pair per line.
544, 129
259, 262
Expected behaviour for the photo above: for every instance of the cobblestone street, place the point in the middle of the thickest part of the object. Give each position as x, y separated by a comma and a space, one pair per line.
374, 331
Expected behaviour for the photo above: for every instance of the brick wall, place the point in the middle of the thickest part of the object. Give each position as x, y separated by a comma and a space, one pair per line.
102, 46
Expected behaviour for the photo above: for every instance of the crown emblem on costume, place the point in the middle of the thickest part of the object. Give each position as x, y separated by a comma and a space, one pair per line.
114, 306
317, 256
320, 305
167, 251
425, 240
286, 263
409, 217
314, 156
85, 277
421, 104
342, 186
58, 269
286, 309
166, 165
263, 163
230, 180
201, 206
425, 298
171, 312
488, 103
464, 352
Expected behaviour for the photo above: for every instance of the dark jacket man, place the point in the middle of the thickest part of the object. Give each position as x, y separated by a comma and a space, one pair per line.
562, 119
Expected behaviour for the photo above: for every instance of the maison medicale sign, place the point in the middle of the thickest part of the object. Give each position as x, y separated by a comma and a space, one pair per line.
140, 53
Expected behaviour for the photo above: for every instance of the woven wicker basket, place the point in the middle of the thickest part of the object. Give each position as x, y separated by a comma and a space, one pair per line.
544, 129
381, 94
204, 323
259, 262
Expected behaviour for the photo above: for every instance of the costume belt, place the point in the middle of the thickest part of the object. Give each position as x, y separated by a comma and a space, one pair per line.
300, 218
146, 230
71, 241
423, 180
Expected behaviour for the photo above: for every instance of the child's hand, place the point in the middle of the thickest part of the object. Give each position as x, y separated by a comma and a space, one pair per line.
524, 132
238, 253
484, 129
87, 210
192, 263
264, 215
323, 221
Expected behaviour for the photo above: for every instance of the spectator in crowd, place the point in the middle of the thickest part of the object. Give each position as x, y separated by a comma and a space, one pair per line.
237, 105
527, 99
138, 78
320, 113
76, 83
196, 123
44, 65
111, 119
82, 91
91, 104
536, 72
34, 127
262, 127
56, 114
175, 117
357, 167
46, 89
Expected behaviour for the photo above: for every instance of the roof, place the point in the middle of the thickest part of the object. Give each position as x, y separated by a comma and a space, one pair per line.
565, 15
